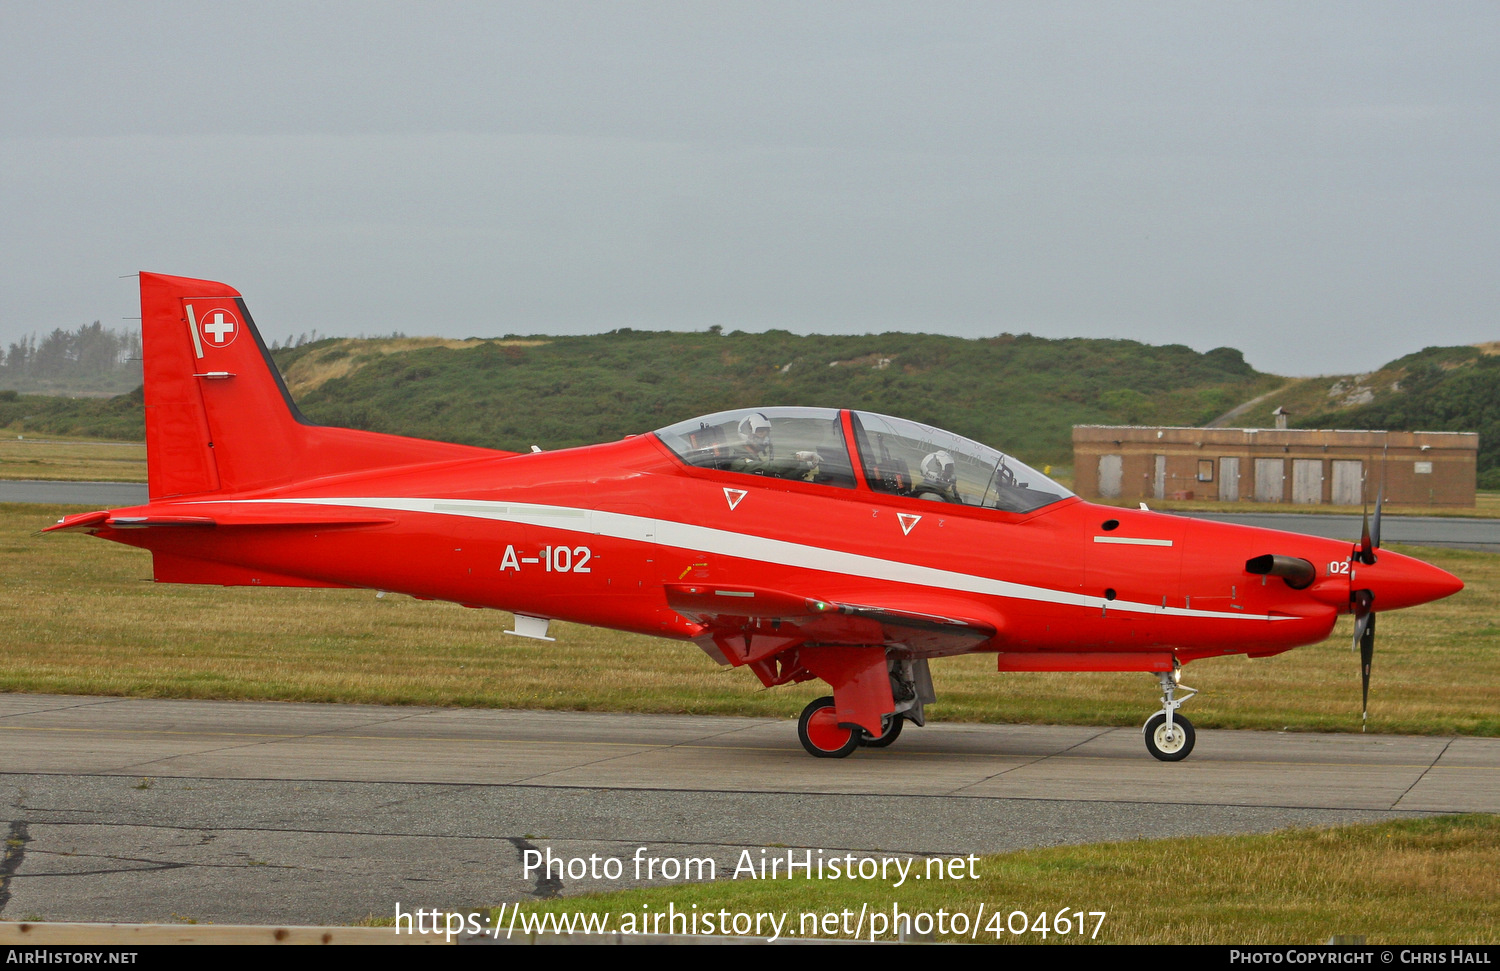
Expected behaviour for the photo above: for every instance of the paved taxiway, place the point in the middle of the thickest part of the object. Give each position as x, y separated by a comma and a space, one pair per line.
100, 495
135, 810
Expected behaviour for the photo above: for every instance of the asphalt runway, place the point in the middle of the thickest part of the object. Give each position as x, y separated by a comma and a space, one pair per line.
145, 810
100, 495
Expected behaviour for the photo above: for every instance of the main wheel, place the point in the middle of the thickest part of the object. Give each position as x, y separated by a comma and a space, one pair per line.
1173, 745
821, 734
892, 732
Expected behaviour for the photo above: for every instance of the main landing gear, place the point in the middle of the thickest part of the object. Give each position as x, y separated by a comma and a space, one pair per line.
1170, 737
821, 734
892, 724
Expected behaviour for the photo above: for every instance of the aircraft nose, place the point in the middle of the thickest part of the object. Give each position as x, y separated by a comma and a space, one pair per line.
1401, 581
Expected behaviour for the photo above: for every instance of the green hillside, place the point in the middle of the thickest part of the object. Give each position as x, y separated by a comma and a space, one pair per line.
1436, 389
121, 418
1017, 392
1328, 401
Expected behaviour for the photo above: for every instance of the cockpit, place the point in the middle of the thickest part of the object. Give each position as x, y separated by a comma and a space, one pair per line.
892, 455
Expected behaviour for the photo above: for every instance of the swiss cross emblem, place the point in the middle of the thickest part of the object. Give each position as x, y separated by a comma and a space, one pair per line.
219, 327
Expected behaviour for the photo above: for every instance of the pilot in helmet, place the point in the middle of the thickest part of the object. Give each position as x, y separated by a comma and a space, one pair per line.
757, 453
939, 478
755, 434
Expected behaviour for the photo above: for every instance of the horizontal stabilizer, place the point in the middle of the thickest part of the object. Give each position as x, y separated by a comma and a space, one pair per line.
79, 522
142, 522
142, 518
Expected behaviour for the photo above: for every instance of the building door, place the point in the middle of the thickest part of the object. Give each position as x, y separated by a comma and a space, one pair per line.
1270, 480
1348, 482
1229, 479
1110, 469
1159, 479
1307, 481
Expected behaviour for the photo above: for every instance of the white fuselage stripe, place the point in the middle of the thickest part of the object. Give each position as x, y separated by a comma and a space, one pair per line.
688, 537
1132, 541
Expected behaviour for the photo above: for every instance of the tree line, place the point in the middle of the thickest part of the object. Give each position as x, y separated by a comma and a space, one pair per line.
93, 358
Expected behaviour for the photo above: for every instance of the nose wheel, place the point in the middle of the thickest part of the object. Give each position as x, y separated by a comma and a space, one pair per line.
1170, 743
1169, 736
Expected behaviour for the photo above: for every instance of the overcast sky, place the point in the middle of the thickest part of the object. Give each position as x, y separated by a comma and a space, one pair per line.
1317, 184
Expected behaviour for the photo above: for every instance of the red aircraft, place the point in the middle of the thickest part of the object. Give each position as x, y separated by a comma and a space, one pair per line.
798, 542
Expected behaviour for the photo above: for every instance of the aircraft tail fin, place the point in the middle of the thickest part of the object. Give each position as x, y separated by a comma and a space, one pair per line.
218, 415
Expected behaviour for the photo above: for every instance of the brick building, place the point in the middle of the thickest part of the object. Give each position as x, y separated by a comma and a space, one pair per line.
1274, 465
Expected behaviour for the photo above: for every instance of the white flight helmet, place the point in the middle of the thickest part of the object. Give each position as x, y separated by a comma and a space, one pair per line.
938, 466
755, 429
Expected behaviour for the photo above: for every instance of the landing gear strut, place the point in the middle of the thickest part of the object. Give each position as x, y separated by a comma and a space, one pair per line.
1170, 738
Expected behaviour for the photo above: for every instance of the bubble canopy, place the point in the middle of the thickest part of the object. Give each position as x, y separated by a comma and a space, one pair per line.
894, 455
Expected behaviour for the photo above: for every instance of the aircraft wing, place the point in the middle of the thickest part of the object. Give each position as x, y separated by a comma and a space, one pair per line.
780, 620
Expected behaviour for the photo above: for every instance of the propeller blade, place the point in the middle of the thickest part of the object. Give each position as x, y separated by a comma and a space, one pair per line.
1366, 653
1367, 543
1362, 601
1369, 540
1360, 623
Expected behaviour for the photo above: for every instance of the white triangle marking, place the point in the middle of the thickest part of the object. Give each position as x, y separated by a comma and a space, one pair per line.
734, 496
908, 520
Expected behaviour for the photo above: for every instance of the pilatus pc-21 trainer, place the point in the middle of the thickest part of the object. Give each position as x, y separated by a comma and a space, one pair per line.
800, 543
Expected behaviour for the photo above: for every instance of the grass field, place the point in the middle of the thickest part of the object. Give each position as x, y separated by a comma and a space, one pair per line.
1425, 881
82, 616
82, 459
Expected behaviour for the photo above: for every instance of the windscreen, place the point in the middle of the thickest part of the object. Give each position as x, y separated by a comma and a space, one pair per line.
908, 458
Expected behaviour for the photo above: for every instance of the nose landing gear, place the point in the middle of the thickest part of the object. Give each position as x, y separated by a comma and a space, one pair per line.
1170, 738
